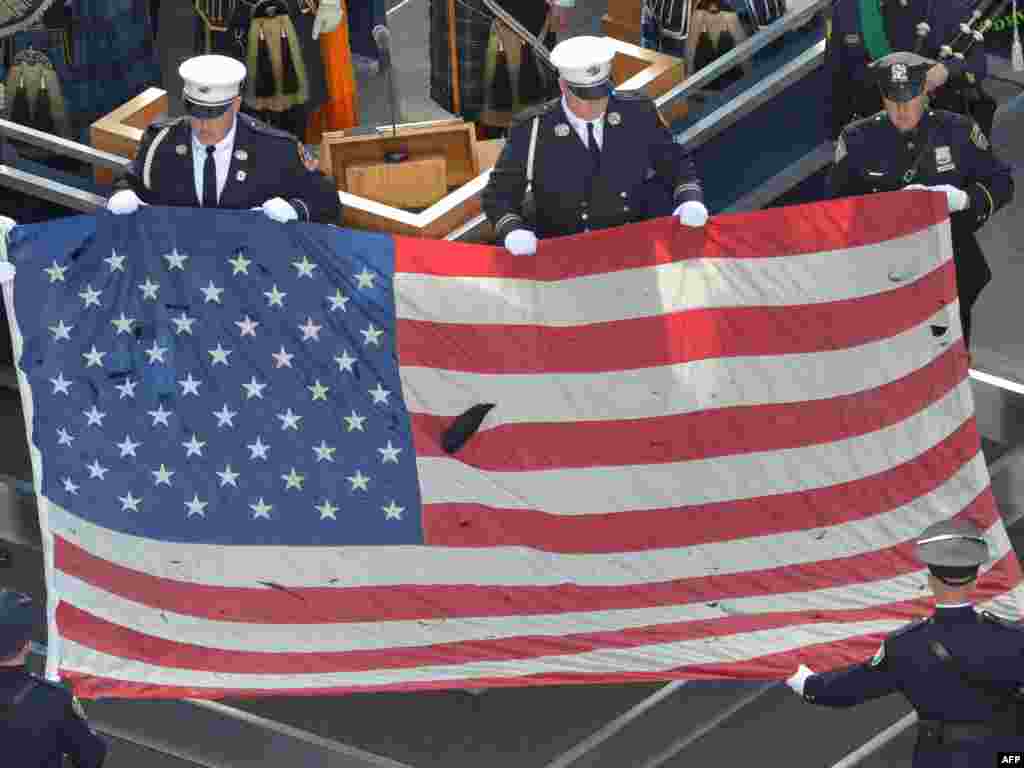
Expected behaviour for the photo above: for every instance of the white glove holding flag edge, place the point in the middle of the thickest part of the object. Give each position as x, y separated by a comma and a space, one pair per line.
521, 242
797, 679
956, 198
328, 17
692, 214
279, 210
123, 202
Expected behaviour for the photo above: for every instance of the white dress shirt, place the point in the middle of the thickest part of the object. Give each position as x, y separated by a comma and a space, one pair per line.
580, 125
221, 161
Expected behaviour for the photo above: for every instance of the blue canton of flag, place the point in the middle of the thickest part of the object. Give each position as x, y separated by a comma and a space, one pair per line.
216, 377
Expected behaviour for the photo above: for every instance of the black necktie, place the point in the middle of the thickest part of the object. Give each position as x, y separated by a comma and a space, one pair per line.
595, 151
209, 180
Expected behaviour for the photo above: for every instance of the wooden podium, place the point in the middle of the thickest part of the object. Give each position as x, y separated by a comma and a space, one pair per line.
120, 132
623, 20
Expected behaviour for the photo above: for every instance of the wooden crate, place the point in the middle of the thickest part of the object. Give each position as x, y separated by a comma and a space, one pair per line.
120, 132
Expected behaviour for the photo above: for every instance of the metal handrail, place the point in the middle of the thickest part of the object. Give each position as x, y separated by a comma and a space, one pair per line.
63, 147
742, 52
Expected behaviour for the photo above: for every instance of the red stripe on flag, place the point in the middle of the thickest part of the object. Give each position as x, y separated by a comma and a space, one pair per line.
323, 605
735, 430
475, 525
847, 223
679, 337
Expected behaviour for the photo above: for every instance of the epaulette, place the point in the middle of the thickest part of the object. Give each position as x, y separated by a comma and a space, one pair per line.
991, 618
267, 130
167, 122
915, 624
531, 112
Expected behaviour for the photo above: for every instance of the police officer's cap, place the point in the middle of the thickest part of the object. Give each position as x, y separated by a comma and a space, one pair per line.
585, 63
211, 82
901, 76
953, 551
17, 619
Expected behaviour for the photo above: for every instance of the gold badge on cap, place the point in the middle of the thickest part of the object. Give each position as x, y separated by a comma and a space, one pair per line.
241, 154
240, 175
614, 118
562, 130
181, 149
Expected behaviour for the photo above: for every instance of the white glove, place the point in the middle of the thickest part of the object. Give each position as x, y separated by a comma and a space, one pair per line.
692, 214
521, 242
279, 210
956, 198
328, 17
797, 680
125, 201
7, 272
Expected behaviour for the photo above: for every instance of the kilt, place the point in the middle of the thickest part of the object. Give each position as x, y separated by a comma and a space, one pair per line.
472, 32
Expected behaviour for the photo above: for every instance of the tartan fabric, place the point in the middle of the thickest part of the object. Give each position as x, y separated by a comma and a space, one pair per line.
472, 30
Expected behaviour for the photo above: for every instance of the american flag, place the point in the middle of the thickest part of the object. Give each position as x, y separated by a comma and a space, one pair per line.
708, 457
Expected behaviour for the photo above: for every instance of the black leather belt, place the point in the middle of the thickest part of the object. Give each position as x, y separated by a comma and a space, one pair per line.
939, 732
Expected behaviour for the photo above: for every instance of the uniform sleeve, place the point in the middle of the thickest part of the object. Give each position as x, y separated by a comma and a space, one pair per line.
133, 178
313, 195
834, 112
77, 740
989, 179
850, 686
842, 179
503, 196
671, 162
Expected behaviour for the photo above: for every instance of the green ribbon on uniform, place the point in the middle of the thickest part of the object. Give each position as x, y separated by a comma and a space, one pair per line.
872, 29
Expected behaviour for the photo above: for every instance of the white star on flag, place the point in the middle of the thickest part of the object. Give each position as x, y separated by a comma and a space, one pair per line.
319, 390
95, 416
227, 477
123, 324
379, 394
193, 447
372, 335
293, 480
127, 446
183, 324
219, 355
69, 487
389, 454
160, 415
345, 362
282, 359
365, 278
392, 511
126, 388
240, 264
324, 452
176, 260
196, 507
275, 298
310, 330
289, 420
96, 471
261, 509
326, 510
61, 331
305, 267
247, 326
190, 386
355, 421
338, 301
156, 353
359, 481
162, 475
129, 502
116, 262
64, 437
60, 384
93, 357
149, 289
253, 389
56, 272
211, 293
259, 449
224, 416
91, 297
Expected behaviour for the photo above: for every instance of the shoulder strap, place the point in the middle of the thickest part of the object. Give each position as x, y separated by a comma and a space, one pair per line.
1002, 697
530, 155
7, 711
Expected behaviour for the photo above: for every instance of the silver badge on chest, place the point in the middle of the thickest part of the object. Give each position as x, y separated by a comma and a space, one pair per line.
944, 159
181, 149
614, 118
561, 130
240, 175
241, 154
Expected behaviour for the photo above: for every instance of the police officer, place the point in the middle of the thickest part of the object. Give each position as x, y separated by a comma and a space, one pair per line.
218, 157
958, 668
911, 146
863, 31
40, 721
594, 158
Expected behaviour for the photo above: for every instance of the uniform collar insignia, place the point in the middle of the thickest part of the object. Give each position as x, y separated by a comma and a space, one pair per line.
240, 175
241, 154
181, 149
614, 118
562, 130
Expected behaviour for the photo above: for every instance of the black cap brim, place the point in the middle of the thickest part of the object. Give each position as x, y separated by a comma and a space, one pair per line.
903, 92
588, 92
204, 111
